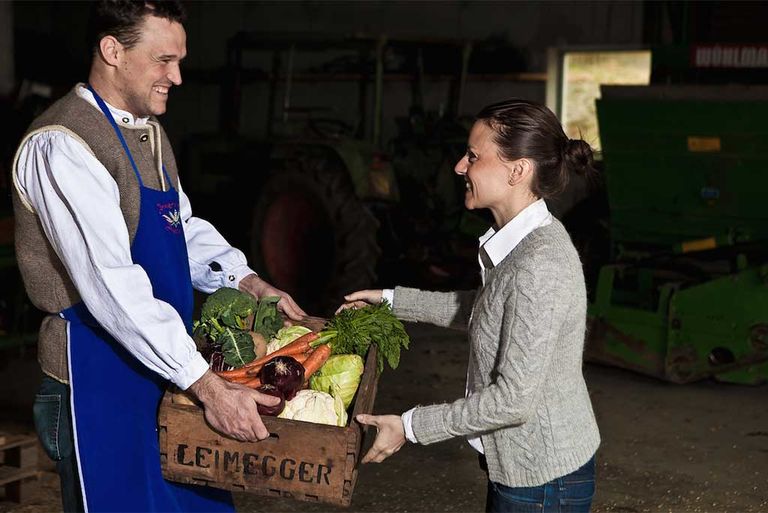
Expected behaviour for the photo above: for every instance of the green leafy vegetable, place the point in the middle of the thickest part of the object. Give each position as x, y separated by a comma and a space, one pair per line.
339, 407
341, 373
226, 319
225, 308
352, 331
237, 347
267, 319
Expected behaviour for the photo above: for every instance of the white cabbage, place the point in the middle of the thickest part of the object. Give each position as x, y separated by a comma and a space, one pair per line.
285, 336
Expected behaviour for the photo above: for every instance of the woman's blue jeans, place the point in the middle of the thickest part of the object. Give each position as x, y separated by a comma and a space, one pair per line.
571, 493
53, 424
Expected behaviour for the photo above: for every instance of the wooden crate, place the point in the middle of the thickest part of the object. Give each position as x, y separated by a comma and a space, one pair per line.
18, 468
300, 460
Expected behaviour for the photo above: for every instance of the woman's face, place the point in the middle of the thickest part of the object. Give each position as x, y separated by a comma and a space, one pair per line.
485, 174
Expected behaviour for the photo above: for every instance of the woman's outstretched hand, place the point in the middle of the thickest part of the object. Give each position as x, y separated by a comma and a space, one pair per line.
360, 299
390, 436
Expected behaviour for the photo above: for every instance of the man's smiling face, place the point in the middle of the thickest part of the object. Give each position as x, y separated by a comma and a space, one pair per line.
149, 69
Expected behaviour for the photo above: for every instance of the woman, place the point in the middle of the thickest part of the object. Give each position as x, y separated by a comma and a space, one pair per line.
527, 410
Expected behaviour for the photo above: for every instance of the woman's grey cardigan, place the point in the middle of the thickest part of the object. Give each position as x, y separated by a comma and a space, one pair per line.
526, 325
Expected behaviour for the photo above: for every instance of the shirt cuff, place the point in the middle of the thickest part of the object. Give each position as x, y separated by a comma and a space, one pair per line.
191, 372
389, 296
233, 277
408, 426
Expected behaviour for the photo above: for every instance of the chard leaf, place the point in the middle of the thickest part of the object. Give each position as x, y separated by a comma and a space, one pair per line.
237, 347
267, 319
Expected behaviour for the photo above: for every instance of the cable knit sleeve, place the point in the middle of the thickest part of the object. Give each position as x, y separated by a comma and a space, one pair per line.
446, 309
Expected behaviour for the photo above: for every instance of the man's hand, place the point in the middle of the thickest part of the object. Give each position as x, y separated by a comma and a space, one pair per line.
231, 408
360, 299
390, 436
260, 288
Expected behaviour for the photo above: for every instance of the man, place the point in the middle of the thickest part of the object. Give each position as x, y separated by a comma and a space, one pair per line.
107, 245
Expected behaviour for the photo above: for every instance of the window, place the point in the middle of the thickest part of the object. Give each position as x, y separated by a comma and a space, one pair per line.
577, 76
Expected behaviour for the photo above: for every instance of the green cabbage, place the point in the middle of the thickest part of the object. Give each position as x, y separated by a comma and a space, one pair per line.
317, 407
339, 408
342, 371
285, 336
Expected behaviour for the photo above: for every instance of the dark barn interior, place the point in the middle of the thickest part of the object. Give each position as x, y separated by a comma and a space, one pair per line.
319, 137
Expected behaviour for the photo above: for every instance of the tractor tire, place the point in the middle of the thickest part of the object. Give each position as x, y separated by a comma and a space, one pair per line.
313, 238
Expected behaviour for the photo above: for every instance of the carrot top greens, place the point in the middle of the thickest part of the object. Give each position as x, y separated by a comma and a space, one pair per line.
352, 331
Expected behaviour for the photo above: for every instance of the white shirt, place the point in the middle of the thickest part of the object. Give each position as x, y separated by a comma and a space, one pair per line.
78, 204
494, 247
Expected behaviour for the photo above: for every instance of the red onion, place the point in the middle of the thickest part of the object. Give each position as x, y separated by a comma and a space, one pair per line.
271, 411
285, 373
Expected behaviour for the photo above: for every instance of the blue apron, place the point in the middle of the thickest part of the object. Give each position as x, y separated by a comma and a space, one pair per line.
115, 398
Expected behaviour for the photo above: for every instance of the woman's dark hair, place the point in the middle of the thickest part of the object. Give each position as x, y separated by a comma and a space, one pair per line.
524, 129
122, 19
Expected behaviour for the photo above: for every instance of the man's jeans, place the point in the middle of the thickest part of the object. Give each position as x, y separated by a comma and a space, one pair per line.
54, 429
568, 494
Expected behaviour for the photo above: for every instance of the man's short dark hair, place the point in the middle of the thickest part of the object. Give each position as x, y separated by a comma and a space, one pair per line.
122, 19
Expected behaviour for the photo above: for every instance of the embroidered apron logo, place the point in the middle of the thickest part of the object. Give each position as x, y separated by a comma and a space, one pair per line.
170, 212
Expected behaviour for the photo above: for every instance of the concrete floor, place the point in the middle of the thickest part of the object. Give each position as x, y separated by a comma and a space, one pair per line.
695, 448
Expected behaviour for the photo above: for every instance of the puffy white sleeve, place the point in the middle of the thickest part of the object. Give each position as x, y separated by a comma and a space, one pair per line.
78, 204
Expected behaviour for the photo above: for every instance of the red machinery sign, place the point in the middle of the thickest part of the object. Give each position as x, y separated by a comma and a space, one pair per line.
729, 56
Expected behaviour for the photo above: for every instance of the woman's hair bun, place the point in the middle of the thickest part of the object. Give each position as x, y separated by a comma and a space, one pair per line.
579, 157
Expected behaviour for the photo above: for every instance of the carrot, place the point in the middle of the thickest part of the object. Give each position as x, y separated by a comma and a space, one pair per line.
301, 358
298, 346
245, 372
237, 379
233, 374
316, 360
253, 383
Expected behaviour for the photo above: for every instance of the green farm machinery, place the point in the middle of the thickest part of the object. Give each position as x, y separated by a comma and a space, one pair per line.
685, 296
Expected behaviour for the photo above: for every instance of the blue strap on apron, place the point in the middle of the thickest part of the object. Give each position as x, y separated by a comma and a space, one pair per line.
115, 398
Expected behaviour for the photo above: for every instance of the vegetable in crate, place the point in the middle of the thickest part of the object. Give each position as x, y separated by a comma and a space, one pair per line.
271, 411
259, 344
299, 349
317, 407
267, 319
226, 319
225, 308
343, 371
316, 359
213, 355
236, 347
352, 331
285, 374
285, 336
